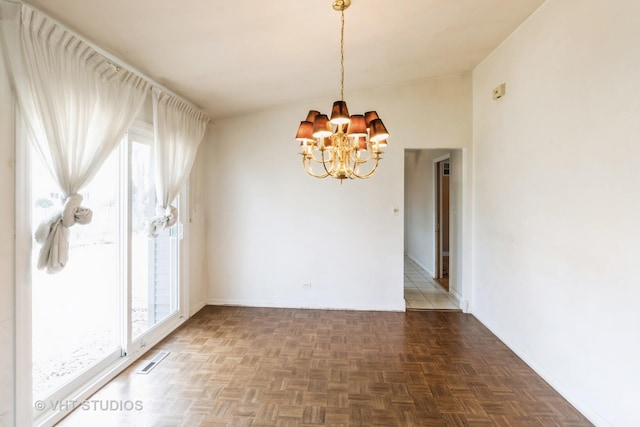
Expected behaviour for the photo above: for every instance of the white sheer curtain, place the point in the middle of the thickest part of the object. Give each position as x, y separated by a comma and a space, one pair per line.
76, 106
179, 129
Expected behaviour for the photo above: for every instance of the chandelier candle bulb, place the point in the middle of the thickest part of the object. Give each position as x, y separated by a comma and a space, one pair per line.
342, 144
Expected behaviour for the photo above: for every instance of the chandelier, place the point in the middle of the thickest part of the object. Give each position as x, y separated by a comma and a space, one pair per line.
342, 143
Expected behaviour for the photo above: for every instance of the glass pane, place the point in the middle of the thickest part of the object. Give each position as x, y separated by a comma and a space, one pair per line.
75, 312
153, 260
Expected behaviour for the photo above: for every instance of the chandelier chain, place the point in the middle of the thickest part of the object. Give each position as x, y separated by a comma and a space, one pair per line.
342, 55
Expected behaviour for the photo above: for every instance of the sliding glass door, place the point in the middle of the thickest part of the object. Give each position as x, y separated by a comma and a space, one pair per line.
119, 285
154, 262
75, 313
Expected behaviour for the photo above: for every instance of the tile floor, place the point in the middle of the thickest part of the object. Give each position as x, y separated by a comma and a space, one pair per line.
422, 292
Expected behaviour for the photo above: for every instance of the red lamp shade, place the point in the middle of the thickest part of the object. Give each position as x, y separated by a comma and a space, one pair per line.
305, 132
377, 131
339, 113
357, 126
311, 115
322, 126
361, 143
370, 116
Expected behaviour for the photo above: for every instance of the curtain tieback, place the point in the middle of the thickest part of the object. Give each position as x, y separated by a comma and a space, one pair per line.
165, 218
53, 234
73, 213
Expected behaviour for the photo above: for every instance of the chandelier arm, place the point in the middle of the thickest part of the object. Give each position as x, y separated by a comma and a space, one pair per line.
353, 167
307, 167
360, 161
353, 157
371, 172
324, 163
318, 160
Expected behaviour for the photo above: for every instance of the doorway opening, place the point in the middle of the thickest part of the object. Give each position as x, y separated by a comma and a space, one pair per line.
433, 228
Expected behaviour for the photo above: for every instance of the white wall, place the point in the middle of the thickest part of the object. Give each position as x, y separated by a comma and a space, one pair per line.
557, 211
272, 228
420, 205
7, 297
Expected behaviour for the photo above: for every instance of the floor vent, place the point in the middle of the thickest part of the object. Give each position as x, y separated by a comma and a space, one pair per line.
153, 362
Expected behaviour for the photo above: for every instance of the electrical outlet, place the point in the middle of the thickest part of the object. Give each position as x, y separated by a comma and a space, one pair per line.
499, 91
306, 286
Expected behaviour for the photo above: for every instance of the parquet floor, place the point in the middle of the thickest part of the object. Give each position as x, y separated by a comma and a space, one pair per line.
233, 366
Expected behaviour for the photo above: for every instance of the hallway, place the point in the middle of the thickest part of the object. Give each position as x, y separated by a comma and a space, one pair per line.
421, 292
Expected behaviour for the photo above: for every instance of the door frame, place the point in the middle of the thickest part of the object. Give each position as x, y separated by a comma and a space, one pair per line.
437, 194
23, 316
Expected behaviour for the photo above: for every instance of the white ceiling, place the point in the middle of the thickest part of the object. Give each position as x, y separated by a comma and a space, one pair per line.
232, 57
